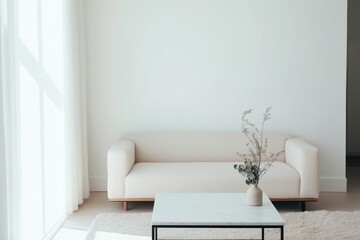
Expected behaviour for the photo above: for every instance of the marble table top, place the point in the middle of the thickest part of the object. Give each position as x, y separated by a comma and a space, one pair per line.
212, 209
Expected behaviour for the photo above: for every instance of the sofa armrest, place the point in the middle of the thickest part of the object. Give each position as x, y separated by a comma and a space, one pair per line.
303, 157
120, 160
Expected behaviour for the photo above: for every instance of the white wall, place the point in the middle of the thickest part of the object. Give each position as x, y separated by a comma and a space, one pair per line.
196, 65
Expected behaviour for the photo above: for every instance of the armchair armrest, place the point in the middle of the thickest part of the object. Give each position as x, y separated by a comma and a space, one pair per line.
303, 157
120, 159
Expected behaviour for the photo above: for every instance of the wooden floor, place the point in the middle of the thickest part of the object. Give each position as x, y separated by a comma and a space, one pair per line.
77, 224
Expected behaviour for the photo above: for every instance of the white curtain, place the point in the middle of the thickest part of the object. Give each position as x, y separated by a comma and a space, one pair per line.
43, 115
3, 174
9, 116
75, 106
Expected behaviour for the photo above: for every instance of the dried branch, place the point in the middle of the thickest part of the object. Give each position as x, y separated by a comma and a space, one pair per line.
256, 162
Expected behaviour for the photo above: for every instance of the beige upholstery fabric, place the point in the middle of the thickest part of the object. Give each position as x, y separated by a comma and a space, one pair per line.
121, 158
303, 157
197, 147
143, 164
146, 179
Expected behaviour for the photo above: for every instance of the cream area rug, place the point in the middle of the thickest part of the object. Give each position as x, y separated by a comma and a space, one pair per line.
299, 225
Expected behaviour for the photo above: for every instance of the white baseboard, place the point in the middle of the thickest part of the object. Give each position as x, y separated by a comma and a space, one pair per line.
327, 184
98, 183
333, 184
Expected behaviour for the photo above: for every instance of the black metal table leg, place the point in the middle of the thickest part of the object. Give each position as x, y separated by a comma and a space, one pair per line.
302, 206
154, 233
262, 233
282, 232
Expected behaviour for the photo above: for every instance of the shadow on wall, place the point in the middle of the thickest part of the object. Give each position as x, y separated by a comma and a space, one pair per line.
353, 85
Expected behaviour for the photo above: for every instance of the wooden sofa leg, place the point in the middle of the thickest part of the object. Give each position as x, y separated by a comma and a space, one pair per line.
302, 206
125, 206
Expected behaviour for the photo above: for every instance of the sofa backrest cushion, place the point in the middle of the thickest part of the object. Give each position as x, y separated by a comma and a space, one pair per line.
198, 147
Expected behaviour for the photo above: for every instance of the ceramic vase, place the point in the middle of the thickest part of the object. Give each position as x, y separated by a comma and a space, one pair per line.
254, 196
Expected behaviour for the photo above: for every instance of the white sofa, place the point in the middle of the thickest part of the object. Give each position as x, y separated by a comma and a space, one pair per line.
142, 164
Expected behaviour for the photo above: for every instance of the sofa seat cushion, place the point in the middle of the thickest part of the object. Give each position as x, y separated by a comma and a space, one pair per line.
147, 179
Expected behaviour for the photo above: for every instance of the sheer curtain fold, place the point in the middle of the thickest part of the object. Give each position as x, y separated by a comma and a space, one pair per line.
9, 120
44, 45
75, 105
3, 174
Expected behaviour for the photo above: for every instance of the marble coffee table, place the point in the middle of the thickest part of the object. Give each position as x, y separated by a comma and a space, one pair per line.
213, 210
